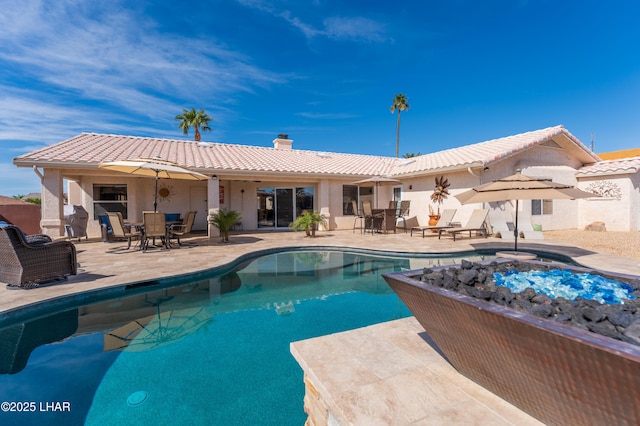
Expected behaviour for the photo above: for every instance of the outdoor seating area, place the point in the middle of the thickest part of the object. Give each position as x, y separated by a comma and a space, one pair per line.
164, 227
476, 223
378, 220
28, 261
445, 221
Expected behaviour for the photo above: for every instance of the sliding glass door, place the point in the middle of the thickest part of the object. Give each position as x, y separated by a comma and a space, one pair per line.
278, 207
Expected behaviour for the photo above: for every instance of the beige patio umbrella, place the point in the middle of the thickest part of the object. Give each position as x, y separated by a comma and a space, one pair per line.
377, 181
521, 187
155, 168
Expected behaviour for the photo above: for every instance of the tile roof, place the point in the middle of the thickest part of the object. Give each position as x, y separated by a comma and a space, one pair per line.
486, 153
611, 167
617, 155
90, 149
87, 150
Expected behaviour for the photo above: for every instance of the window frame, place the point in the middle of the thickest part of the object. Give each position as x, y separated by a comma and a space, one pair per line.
117, 203
541, 207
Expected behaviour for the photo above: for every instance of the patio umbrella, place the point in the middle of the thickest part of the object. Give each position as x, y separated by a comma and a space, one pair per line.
156, 330
377, 181
521, 187
152, 167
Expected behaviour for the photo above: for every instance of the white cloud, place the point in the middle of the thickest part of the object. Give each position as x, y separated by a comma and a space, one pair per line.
74, 53
358, 29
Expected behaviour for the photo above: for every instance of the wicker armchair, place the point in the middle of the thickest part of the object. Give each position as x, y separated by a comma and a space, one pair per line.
27, 261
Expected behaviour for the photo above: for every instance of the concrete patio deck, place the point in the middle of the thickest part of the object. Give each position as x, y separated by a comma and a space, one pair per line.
450, 397
105, 265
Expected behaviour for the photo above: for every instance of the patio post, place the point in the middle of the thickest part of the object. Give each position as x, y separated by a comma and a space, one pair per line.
213, 202
52, 202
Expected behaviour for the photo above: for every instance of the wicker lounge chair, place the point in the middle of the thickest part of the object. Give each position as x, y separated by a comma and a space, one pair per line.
444, 222
29, 261
477, 223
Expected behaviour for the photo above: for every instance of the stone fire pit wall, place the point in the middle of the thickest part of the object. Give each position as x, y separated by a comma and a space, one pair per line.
560, 374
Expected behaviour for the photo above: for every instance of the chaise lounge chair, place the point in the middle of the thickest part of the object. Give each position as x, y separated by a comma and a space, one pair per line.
444, 222
29, 261
477, 222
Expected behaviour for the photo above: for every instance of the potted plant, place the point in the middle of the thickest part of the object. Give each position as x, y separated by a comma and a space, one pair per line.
224, 220
308, 222
440, 193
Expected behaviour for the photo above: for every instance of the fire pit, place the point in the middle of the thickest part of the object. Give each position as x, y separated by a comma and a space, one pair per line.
556, 372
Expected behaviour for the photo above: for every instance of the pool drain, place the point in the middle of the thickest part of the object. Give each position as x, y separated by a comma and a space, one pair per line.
136, 398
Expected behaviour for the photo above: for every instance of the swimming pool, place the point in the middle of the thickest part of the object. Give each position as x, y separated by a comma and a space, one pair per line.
211, 351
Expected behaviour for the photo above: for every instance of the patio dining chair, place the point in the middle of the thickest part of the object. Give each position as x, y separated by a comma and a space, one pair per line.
182, 230
403, 213
120, 230
154, 226
372, 220
358, 215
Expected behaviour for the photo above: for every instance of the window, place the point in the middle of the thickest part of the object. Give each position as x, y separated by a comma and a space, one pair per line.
540, 207
109, 198
397, 193
359, 194
349, 194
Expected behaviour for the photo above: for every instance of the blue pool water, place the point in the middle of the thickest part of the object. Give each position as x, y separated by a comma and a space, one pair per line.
214, 351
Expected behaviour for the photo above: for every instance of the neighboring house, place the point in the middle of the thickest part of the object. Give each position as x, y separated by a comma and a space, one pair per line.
271, 186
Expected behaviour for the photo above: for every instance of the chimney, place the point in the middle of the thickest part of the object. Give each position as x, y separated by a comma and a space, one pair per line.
282, 142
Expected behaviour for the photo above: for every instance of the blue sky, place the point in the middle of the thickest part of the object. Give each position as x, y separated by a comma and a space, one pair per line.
323, 71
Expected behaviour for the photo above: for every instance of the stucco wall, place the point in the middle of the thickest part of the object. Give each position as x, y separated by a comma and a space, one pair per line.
240, 194
618, 212
140, 196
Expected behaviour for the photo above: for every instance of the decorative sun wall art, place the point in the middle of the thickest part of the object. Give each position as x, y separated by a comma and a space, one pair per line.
165, 192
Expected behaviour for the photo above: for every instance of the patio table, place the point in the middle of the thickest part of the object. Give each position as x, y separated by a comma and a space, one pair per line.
384, 220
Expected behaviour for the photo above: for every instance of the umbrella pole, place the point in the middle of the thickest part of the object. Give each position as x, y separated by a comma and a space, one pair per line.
515, 228
155, 195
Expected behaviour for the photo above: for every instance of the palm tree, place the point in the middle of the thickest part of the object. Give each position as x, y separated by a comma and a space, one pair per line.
224, 220
399, 104
196, 119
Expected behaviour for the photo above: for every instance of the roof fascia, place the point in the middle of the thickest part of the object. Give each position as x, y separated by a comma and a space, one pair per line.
426, 172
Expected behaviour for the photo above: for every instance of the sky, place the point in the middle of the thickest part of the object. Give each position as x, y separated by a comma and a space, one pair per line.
325, 72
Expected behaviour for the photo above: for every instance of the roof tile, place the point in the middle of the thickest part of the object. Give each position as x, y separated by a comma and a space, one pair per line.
91, 149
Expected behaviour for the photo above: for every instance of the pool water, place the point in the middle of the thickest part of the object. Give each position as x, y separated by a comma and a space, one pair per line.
214, 351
